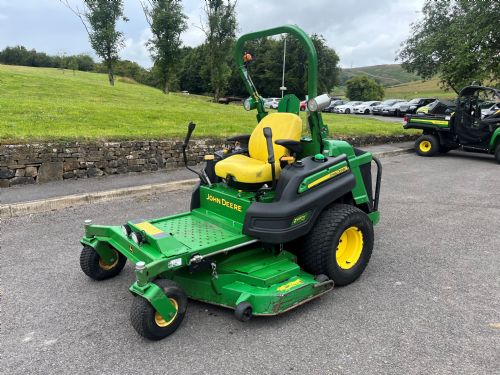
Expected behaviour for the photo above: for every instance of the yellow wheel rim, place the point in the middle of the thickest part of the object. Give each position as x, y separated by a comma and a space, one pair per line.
425, 146
349, 248
106, 266
160, 322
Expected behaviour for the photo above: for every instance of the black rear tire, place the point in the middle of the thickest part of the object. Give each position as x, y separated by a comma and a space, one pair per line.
497, 153
427, 145
148, 323
95, 268
322, 246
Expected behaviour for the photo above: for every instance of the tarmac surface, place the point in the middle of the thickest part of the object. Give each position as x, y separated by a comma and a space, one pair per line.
428, 302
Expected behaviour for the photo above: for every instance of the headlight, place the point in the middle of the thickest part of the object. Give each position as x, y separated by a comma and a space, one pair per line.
319, 103
249, 104
126, 230
135, 237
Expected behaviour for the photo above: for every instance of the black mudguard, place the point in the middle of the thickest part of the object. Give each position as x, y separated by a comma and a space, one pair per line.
273, 222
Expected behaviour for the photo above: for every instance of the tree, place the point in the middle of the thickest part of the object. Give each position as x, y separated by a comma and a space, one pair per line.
194, 74
220, 31
363, 88
99, 18
167, 22
459, 40
73, 64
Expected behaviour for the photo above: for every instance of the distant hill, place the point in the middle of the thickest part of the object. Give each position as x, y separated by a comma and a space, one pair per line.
388, 74
417, 89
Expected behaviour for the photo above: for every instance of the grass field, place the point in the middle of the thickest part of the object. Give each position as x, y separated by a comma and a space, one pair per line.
39, 104
387, 74
419, 89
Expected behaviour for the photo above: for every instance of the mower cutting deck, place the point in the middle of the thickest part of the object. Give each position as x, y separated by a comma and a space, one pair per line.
276, 220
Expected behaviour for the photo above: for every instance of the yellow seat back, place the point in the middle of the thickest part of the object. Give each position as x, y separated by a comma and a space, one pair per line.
283, 126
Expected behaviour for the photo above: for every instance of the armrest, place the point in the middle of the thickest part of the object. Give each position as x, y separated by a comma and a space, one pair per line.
244, 138
294, 146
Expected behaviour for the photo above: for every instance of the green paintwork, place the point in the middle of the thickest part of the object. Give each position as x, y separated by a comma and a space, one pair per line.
323, 176
442, 123
289, 104
271, 283
317, 128
374, 217
337, 148
319, 157
495, 140
302, 37
155, 295
235, 268
245, 275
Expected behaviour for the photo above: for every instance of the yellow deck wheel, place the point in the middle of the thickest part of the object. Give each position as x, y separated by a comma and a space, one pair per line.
160, 321
425, 146
349, 248
105, 266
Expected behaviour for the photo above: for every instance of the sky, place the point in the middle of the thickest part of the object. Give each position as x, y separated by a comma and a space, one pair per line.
362, 32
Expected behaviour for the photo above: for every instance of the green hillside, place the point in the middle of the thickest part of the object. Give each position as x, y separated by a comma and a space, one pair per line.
387, 75
415, 89
48, 104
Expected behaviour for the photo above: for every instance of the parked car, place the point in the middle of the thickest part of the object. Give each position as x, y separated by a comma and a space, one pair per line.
366, 108
488, 109
333, 104
393, 110
437, 107
415, 104
272, 103
346, 108
377, 110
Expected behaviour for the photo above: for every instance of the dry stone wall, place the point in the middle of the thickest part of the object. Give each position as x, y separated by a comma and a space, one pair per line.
42, 162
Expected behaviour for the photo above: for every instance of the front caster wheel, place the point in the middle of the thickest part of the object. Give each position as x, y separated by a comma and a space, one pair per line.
148, 322
96, 268
243, 312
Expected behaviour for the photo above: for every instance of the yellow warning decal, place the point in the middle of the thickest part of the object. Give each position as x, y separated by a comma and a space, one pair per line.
328, 176
148, 228
290, 285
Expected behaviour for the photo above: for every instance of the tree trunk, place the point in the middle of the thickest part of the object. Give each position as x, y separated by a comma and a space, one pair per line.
165, 87
111, 76
216, 94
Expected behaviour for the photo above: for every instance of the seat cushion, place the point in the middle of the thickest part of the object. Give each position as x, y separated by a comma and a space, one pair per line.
283, 126
245, 169
255, 169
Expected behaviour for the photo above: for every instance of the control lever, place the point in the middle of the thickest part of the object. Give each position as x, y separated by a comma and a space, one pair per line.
191, 127
203, 177
268, 134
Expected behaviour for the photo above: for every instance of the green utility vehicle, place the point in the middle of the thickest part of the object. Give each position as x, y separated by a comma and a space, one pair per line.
469, 127
276, 220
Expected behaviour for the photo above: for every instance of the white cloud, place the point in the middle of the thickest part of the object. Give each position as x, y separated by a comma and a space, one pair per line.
362, 32
136, 50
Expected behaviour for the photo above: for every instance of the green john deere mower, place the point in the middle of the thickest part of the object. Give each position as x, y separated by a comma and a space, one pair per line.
474, 126
276, 220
